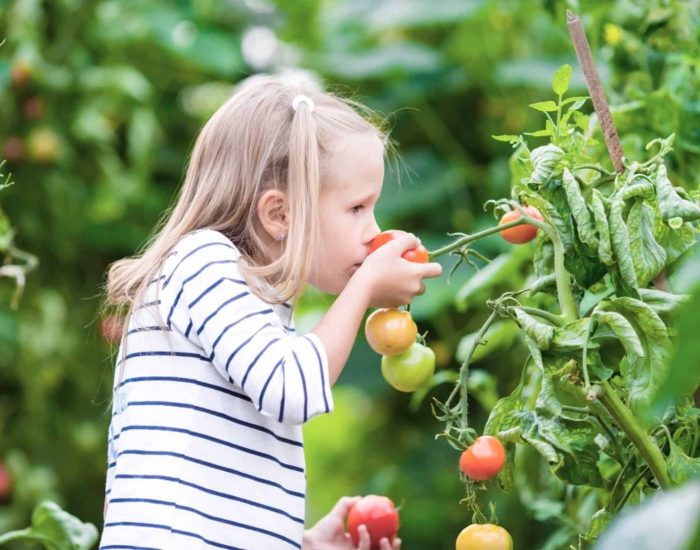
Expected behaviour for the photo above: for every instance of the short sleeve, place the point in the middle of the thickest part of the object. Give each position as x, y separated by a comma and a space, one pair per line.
205, 298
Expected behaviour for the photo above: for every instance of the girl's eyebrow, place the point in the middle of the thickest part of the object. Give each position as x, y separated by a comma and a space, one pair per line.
367, 198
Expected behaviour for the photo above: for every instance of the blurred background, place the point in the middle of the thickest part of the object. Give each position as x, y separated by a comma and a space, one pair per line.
100, 103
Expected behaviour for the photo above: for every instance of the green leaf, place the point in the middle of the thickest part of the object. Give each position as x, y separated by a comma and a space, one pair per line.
623, 329
540, 332
620, 239
681, 467
545, 162
641, 187
644, 374
599, 522
560, 81
541, 133
579, 210
544, 106
601, 223
683, 374
648, 256
507, 137
671, 205
500, 335
647, 526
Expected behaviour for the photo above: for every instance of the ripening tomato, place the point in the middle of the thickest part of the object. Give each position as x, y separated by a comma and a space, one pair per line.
485, 536
417, 255
378, 514
520, 233
390, 331
483, 459
5, 483
409, 370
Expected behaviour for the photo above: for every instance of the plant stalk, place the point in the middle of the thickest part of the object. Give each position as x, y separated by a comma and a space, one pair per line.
640, 439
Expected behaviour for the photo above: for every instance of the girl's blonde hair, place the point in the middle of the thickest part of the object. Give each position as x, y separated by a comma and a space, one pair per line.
254, 142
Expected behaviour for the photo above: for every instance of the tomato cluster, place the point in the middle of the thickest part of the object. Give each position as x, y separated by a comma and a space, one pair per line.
406, 364
380, 516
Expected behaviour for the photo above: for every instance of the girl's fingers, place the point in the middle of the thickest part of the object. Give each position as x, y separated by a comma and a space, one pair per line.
364, 537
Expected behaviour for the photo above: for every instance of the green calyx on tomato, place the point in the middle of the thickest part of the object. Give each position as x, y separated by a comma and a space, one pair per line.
484, 458
484, 536
520, 234
409, 370
390, 331
417, 255
380, 516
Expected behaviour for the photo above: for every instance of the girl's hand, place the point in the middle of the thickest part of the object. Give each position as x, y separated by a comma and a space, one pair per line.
329, 533
391, 280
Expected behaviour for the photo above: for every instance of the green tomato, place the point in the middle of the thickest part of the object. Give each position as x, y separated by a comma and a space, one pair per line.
409, 370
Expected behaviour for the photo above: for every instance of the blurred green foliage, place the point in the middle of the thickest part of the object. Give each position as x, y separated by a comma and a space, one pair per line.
100, 102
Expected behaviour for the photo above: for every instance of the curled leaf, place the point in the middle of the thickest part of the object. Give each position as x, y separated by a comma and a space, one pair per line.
671, 204
579, 210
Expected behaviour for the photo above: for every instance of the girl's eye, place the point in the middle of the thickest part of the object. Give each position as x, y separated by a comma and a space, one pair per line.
357, 209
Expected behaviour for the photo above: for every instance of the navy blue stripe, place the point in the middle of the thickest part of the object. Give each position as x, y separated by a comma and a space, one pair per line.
218, 309
164, 354
228, 496
212, 287
280, 418
156, 280
200, 247
250, 367
234, 352
145, 329
147, 304
320, 368
303, 383
267, 382
214, 466
206, 437
172, 530
187, 381
189, 328
209, 516
188, 279
217, 414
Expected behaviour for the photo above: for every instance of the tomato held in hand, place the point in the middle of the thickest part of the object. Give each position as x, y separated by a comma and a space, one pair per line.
378, 514
409, 370
483, 459
418, 255
520, 233
390, 331
486, 536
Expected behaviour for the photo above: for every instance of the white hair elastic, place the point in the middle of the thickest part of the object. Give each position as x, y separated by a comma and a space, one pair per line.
301, 98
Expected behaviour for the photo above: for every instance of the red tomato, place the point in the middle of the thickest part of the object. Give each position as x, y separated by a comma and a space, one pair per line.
520, 233
409, 370
5, 483
390, 331
483, 459
485, 536
418, 255
378, 514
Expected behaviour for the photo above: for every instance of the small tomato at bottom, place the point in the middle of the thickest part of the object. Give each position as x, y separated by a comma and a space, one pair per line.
409, 370
485, 536
380, 516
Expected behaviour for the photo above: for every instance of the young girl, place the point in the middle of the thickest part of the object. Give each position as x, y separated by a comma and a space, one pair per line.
212, 382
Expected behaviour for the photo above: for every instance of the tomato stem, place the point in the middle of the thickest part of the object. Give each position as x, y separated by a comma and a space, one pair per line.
459, 243
551, 317
636, 434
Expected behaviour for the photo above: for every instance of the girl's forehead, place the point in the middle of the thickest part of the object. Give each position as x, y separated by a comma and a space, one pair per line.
355, 157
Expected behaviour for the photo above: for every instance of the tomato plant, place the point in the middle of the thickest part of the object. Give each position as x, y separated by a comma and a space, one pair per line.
523, 233
390, 331
417, 255
409, 370
483, 459
484, 536
380, 516
597, 319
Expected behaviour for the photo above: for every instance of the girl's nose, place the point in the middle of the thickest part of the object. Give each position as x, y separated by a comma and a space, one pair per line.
373, 231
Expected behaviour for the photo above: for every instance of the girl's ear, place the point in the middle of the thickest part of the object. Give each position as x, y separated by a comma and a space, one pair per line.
273, 211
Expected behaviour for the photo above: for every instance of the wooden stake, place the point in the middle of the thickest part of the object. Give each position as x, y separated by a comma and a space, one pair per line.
595, 89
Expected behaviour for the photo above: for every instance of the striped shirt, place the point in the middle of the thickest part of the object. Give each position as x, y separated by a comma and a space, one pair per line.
211, 388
